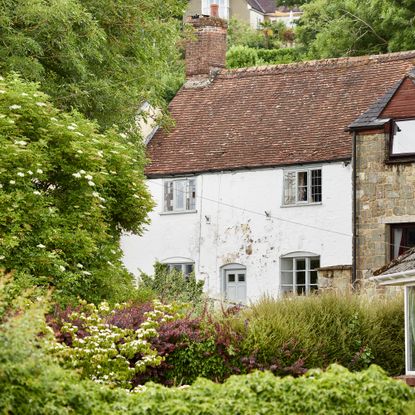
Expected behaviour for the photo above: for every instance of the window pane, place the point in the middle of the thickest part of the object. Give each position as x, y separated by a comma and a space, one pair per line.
302, 184
231, 277
241, 277
403, 140
314, 263
179, 194
168, 196
316, 185
191, 195
300, 277
188, 269
403, 238
286, 278
300, 264
287, 264
313, 277
289, 188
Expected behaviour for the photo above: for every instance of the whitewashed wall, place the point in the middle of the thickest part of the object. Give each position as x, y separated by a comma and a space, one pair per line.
219, 234
255, 18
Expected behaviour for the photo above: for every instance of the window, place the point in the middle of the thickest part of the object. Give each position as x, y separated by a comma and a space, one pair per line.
402, 138
299, 274
302, 187
402, 238
186, 268
223, 7
179, 195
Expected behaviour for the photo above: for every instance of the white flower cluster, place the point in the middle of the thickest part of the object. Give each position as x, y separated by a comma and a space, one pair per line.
104, 354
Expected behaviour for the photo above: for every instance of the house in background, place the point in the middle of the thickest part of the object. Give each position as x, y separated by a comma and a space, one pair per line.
384, 180
253, 185
253, 12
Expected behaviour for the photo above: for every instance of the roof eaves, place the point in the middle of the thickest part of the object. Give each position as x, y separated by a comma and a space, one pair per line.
370, 118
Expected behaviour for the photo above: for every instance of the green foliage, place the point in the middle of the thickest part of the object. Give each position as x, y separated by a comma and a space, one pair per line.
171, 285
241, 56
102, 57
334, 28
319, 330
66, 194
277, 56
242, 34
103, 351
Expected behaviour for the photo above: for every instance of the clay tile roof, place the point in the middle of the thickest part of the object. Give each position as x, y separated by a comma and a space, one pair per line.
273, 116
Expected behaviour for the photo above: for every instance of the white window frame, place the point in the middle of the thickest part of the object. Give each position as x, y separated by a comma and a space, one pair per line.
192, 201
408, 348
308, 171
308, 257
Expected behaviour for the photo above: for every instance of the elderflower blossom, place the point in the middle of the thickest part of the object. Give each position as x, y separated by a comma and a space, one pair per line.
29, 172
41, 246
20, 143
15, 107
79, 151
88, 177
2, 257
2, 91
62, 268
20, 174
40, 171
71, 127
79, 265
12, 182
91, 183
77, 175
40, 104
36, 192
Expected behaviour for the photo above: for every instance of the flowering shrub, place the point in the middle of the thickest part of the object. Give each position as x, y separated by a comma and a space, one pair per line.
106, 352
67, 191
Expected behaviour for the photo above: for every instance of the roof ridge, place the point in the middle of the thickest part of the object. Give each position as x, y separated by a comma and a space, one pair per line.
320, 63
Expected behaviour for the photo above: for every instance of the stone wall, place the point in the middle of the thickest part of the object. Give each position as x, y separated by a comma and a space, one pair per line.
385, 196
335, 278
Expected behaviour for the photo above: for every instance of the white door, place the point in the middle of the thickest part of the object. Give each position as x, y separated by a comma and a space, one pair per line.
235, 285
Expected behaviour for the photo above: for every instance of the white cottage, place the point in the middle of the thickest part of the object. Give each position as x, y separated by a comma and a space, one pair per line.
253, 185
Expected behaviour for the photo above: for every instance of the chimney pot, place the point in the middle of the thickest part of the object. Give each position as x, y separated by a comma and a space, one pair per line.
214, 10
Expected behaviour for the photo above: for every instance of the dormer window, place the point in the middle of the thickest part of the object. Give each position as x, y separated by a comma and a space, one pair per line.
402, 138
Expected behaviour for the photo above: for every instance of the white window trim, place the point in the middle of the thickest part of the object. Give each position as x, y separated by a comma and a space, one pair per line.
177, 211
308, 170
307, 270
407, 337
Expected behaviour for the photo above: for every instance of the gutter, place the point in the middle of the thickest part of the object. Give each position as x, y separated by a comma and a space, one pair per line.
354, 212
397, 278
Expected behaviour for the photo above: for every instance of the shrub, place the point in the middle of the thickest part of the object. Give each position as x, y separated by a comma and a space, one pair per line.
67, 192
241, 56
171, 285
318, 330
282, 55
106, 352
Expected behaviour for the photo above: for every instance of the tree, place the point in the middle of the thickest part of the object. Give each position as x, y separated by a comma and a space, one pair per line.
334, 28
101, 57
67, 192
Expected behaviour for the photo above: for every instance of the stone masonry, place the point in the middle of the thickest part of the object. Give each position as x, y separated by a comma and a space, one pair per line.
385, 196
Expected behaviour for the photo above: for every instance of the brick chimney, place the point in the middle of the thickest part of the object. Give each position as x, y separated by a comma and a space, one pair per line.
207, 51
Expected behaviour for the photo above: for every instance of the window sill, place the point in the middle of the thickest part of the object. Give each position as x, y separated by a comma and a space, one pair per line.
180, 212
302, 205
397, 159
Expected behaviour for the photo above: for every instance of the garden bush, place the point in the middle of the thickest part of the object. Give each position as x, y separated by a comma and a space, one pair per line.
32, 382
315, 331
171, 285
